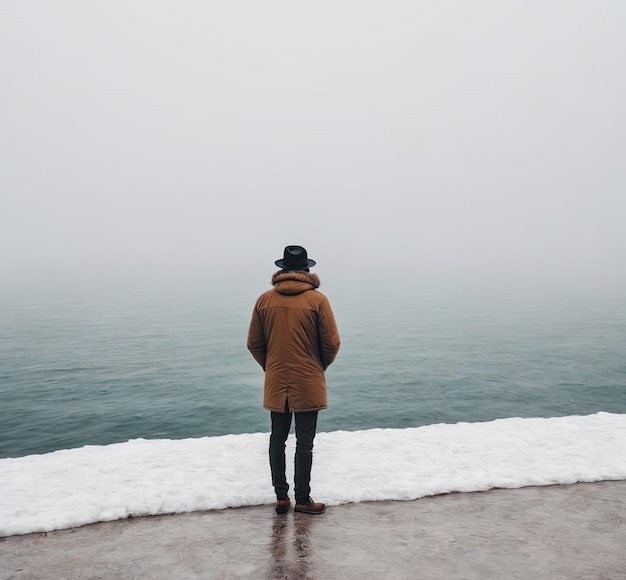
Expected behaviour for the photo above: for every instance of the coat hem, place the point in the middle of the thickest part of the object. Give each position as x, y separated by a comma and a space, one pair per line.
276, 410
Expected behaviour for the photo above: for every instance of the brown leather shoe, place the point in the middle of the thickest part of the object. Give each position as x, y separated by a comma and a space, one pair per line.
282, 506
310, 507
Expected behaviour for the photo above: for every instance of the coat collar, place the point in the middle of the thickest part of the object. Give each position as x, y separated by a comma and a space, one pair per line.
295, 281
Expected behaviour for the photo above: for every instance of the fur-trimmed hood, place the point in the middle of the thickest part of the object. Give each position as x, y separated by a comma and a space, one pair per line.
295, 281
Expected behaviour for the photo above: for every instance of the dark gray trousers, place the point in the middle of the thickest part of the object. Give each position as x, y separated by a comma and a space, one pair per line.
306, 424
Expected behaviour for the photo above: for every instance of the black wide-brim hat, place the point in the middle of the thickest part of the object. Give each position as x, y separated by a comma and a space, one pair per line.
295, 258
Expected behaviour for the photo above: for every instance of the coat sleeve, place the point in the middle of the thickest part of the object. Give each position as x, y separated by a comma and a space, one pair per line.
256, 339
328, 333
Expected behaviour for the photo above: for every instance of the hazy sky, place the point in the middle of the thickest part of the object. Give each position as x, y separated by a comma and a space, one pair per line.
466, 140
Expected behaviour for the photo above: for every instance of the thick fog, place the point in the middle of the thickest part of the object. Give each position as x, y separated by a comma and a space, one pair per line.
456, 142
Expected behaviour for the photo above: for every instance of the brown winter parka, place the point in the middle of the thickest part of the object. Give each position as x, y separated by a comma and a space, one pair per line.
293, 336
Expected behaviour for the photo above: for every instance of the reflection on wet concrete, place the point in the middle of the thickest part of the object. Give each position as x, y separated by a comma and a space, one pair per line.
291, 547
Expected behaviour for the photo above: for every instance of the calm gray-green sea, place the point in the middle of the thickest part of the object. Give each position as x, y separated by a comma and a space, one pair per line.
97, 368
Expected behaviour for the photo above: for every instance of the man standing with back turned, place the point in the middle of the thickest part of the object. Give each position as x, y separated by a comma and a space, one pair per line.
293, 336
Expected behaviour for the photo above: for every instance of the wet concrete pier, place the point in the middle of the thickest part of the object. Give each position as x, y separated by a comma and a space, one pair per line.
555, 532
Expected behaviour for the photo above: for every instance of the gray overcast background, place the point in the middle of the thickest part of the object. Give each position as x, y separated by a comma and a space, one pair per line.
455, 141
